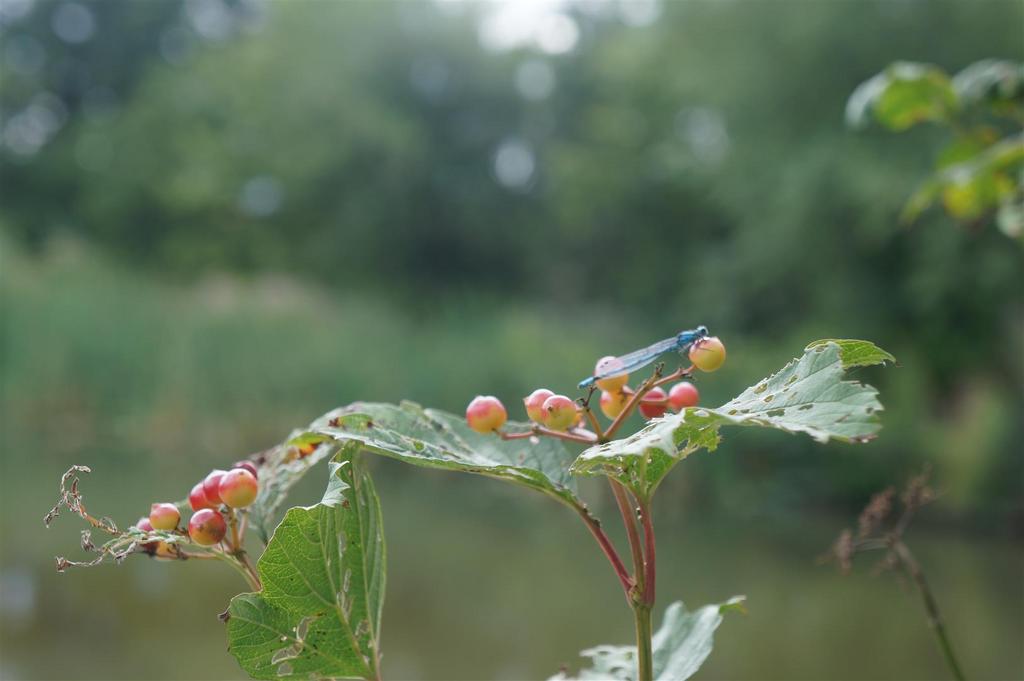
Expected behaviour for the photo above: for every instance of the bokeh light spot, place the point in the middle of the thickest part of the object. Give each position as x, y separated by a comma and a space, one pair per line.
260, 197
74, 23
535, 79
514, 164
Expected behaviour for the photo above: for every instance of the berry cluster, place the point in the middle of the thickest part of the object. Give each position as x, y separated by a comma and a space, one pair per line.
560, 416
213, 501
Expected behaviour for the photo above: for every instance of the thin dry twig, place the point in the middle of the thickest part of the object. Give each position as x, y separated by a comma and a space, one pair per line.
872, 535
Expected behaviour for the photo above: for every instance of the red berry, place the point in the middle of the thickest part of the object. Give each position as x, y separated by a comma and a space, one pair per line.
238, 488
559, 412
534, 403
211, 486
164, 516
249, 466
654, 403
207, 527
683, 394
612, 383
707, 354
612, 403
197, 498
485, 414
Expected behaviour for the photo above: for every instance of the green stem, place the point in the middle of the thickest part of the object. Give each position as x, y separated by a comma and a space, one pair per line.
649, 556
243, 559
644, 657
913, 569
249, 577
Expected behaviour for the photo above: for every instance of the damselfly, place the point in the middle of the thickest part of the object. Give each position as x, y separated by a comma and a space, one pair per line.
638, 359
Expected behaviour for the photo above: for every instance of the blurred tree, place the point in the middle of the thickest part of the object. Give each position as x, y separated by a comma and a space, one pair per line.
695, 168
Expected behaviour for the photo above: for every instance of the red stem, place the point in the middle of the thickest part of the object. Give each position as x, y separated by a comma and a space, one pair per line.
607, 547
629, 521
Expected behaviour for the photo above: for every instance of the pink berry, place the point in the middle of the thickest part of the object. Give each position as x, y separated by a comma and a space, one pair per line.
559, 412
207, 527
249, 466
654, 403
485, 414
197, 498
238, 488
612, 383
534, 403
211, 486
707, 354
612, 403
164, 516
683, 394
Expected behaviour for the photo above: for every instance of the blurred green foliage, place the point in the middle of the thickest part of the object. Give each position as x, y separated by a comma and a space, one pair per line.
980, 174
208, 213
660, 176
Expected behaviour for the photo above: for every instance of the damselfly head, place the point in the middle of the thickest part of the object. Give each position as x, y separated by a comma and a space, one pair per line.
686, 338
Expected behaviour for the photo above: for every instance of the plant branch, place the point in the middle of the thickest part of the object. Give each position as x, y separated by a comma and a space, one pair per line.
913, 569
629, 521
71, 499
241, 568
243, 558
185, 555
585, 405
650, 567
655, 380
236, 544
594, 525
644, 656
579, 435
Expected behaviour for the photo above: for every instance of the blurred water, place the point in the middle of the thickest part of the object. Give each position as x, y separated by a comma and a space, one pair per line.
486, 582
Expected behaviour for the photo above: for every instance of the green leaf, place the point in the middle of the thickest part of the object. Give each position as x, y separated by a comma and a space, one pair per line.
806, 396
436, 439
972, 185
921, 199
856, 353
904, 94
318, 614
679, 647
990, 79
1010, 218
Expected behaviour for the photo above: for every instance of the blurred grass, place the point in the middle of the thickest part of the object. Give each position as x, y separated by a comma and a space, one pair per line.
154, 382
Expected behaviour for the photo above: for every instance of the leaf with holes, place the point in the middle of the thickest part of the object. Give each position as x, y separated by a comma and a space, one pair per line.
281, 468
436, 439
679, 647
318, 614
807, 396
